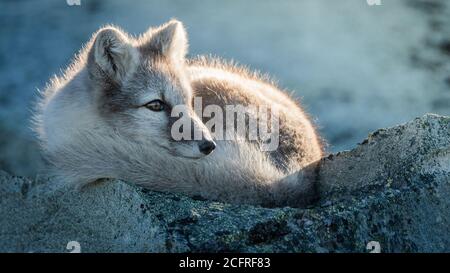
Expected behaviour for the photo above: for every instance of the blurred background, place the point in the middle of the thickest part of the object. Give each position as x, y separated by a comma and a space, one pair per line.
354, 67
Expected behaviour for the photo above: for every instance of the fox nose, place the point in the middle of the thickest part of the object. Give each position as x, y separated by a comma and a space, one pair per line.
206, 147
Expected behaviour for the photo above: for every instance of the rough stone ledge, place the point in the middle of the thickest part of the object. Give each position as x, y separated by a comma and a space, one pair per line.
393, 188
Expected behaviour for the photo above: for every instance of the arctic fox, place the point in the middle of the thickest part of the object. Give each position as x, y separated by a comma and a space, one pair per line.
109, 116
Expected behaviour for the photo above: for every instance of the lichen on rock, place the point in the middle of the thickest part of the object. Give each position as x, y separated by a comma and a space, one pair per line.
393, 188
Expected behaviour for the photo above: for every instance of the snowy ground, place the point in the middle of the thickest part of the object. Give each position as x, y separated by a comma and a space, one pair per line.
355, 67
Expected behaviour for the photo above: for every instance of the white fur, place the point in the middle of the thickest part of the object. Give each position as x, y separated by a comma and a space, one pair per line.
82, 146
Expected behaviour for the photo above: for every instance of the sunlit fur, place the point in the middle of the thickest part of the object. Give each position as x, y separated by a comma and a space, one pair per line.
92, 124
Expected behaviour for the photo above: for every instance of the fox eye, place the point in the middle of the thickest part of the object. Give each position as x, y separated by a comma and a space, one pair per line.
156, 105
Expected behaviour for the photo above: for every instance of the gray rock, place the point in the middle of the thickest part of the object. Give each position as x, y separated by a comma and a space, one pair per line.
393, 189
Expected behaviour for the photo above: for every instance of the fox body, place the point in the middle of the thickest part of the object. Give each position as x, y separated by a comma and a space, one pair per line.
109, 116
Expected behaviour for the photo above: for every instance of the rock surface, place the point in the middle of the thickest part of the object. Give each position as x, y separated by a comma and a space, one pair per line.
393, 188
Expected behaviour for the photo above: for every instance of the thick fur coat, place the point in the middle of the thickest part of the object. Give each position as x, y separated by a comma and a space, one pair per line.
109, 116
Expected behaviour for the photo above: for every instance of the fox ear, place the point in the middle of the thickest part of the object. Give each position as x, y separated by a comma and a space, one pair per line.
113, 53
170, 40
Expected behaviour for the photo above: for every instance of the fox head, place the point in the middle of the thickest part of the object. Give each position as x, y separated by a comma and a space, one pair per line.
137, 82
